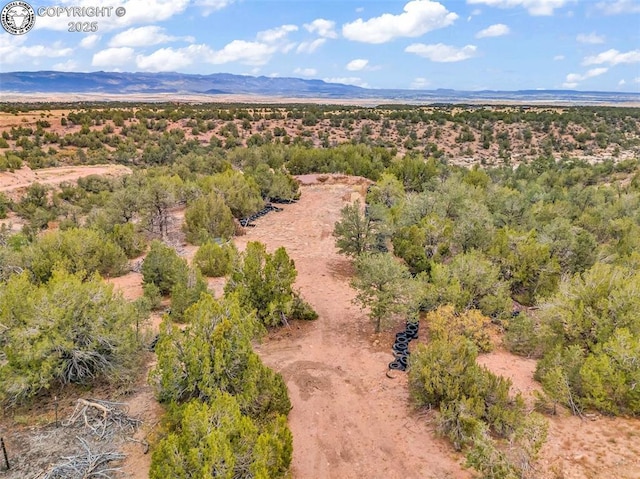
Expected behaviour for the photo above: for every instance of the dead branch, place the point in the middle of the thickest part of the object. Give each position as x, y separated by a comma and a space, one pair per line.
88, 465
102, 418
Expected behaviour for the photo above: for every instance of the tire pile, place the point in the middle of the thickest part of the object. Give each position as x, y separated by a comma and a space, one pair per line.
401, 346
244, 222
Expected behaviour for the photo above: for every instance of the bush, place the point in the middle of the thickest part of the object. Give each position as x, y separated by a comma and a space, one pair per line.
5, 205
10, 161
126, 236
521, 336
65, 331
206, 218
469, 281
591, 332
152, 293
239, 192
264, 284
163, 267
214, 353
186, 292
215, 260
445, 324
475, 406
216, 439
76, 250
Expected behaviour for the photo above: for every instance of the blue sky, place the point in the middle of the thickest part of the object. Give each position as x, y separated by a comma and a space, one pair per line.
463, 44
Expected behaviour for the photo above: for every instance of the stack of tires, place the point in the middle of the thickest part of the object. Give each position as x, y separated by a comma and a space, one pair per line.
401, 346
247, 221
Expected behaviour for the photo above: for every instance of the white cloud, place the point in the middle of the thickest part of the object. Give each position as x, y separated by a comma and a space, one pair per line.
13, 50
90, 41
613, 57
357, 81
636, 80
248, 53
276, 34
419, 17
310, 47
590, 38
419, 83
322, 27
573, 79
306, 72
442, 53
558, 58
357, 64
252, 53
210, 6
110, 57
141, 37
497, 30
619, 7
534, 7
170, 59
622, 82
137, 12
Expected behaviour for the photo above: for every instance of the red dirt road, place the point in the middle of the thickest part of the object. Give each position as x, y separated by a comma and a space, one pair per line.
349, 420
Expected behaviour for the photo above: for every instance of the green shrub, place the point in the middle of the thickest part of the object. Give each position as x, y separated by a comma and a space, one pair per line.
445, 371
76, 250
239, 192
445, 324
186, 292
264, 284
10, 161
214, 354
215, 260
126, 236
206, 218
521, 336
216, 439
65, 331
5, 205
152, 293
475, 407
163, 267
591, 332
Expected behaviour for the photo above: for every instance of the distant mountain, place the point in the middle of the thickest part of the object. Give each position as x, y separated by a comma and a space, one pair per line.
226, 83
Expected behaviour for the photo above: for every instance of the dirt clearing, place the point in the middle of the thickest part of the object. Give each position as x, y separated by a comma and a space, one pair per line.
13, 183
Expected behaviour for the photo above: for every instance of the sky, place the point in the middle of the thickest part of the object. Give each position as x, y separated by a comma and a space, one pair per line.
588, 45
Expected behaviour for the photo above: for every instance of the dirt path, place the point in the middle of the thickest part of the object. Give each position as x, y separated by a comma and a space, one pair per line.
349, 420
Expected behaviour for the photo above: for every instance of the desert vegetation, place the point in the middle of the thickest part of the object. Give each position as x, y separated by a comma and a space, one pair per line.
509, 227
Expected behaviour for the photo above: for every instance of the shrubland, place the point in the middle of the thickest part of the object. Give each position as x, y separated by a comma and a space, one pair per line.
539, 241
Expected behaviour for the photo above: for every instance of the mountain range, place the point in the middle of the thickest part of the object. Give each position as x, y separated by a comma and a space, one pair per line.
229, 84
